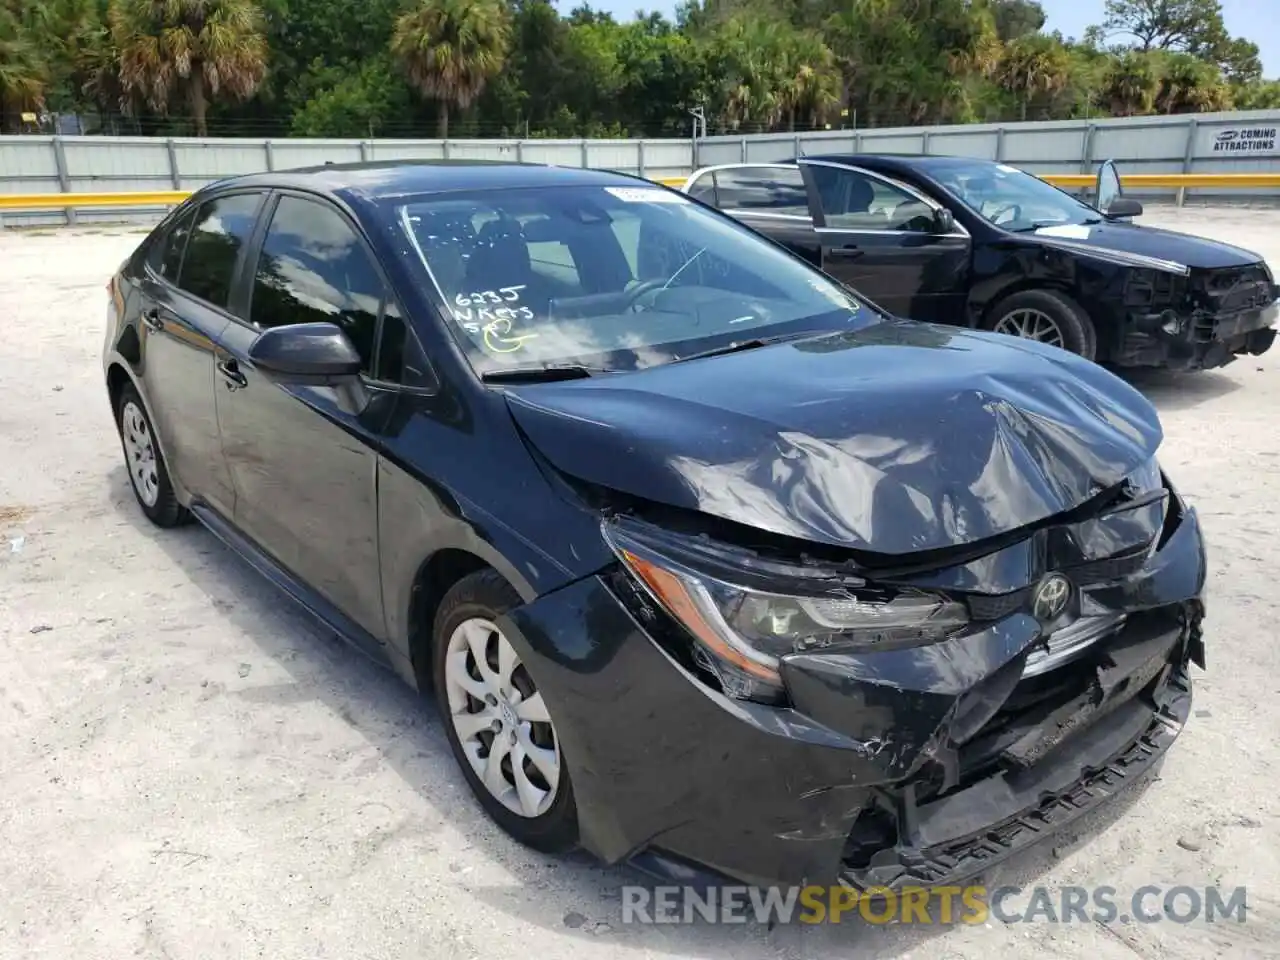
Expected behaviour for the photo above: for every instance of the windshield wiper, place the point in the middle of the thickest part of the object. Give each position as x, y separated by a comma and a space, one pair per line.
543, 373
739, 345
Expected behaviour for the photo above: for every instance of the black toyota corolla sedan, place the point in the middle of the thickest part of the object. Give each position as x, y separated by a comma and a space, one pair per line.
985, 245
710, 565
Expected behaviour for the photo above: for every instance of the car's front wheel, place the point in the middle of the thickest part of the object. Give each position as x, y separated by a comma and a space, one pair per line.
496, 719
1048, 316
148, 474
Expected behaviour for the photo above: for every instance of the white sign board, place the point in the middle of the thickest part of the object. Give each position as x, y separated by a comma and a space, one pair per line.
1247, 141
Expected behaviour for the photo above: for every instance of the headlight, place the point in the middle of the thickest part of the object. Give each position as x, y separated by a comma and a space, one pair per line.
740, 633
1146, 478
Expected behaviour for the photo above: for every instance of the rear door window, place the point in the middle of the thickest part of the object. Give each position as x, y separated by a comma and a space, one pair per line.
773, 190
165, 257
218, 236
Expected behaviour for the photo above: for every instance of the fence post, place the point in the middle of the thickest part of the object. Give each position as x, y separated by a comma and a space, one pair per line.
1188, 155
798, 148
742, 145
1086, 149
999, 144
64, 179
271, 155
519, 151
175, 177
444, 148
640, 155
366, 151
924, 142
586, 155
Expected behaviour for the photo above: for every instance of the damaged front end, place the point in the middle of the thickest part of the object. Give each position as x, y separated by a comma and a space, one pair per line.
894, 723
1198, 320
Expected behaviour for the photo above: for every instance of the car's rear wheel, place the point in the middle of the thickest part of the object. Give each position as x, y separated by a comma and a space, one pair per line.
1047, 316
148, 475
497, 722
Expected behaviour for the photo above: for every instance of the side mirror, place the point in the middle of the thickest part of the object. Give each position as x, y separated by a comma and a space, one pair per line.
316, 354
1124, 207
944, 221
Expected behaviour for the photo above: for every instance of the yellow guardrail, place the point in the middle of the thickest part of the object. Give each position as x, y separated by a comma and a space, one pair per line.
168, 198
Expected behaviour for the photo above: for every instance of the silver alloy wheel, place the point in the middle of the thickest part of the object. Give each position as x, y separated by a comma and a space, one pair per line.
140, 451
1031, 324
500, 719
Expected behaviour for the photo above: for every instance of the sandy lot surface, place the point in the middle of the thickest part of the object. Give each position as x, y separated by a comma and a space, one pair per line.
189, 767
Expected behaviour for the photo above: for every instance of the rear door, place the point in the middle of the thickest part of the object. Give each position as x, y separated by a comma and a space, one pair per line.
881, 237
771, 198
305, 469
183, 310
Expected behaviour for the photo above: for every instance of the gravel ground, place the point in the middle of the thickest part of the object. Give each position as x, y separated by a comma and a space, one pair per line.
191, 768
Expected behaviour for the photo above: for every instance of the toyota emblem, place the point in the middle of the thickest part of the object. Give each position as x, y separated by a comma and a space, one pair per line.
1051, 597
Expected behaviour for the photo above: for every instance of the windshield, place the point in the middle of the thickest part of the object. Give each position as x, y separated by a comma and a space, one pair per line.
1011, 198
615, 277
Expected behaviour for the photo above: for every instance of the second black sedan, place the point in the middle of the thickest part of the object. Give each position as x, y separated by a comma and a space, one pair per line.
971, 242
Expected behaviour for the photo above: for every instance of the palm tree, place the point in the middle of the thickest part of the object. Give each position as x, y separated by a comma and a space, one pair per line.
192, 49
23, 70
451, 48
1033, 65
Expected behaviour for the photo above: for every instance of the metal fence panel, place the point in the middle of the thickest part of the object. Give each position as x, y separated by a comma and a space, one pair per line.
1200, 143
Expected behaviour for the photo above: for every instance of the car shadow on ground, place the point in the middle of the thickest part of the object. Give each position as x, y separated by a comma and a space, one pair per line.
572, 895
1169, 390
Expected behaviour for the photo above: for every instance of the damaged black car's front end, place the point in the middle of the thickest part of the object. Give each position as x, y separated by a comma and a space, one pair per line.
1200, 319
894, 687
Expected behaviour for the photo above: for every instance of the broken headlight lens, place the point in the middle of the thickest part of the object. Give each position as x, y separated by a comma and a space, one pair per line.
740, 633
1146, 478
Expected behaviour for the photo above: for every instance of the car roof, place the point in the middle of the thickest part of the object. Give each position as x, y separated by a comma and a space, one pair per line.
382, 179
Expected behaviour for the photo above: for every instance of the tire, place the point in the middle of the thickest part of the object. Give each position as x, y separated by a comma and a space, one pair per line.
466, 619
148, 475
1072, 328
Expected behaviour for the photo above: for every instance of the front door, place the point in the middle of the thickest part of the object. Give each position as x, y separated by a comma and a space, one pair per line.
183, 307
883, 239
304, 468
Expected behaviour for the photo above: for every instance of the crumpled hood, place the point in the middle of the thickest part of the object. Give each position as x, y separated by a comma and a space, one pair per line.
1130, 238
893, 439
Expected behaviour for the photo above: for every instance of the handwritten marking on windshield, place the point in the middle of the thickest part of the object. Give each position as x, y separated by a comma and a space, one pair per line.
497, 337
481, 297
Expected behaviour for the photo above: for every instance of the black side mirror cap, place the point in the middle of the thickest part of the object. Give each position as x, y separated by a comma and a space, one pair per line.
317, 353
944, 221
1124, 207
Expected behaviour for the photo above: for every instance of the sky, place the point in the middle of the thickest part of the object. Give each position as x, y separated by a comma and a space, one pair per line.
1254, 19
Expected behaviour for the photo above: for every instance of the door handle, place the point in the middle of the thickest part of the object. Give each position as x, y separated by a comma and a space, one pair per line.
151, 319
847, 252
231, 374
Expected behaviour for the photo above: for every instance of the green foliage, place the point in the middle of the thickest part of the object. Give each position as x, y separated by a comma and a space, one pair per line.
368, 68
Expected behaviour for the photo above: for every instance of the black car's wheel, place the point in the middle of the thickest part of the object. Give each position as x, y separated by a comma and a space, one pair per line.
497, 723
1047, 316
142, 458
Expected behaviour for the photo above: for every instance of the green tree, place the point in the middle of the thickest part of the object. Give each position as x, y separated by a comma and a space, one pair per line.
24, 71
451, 48
1130, 84
189, 50
1031, 66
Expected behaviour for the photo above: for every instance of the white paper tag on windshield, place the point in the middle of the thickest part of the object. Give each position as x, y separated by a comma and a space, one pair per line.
645, 195
1068, 231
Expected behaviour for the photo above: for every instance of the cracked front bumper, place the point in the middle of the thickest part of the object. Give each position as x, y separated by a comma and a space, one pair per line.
892, 768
